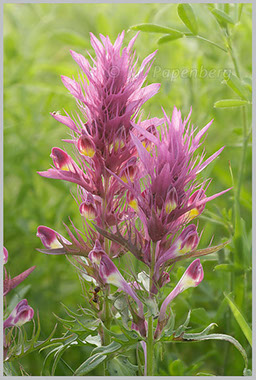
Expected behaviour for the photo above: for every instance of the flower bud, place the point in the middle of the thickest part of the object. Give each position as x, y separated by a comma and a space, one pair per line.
96, 253
62, 160
5, 252
147, 143
188, 239
50, 237
197, 196
192, 276
119, 140
86, 146
132, 201
171, 201
87, 208
20, 315
129, 171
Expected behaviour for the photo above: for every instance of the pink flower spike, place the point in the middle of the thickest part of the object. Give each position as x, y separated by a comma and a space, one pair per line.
5, 253
191, 278
50, 237
21, 314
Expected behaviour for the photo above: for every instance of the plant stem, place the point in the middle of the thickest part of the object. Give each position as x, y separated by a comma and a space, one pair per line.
107, 314
150, 340
150, 348
206, 40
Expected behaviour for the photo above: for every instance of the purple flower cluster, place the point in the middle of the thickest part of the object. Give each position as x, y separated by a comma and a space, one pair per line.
137, 179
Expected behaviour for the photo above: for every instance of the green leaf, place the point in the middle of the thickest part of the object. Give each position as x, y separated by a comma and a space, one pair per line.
188, 17
91, 363
201, 337
153, 28
112, 347
170, 37
240, 319
120, 366
227, 103
169, 328
222, 17
204, 374
184, 326
189, 336
237, 85
9, 369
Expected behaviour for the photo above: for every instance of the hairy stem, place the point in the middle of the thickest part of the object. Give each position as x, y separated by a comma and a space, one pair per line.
107, 314
150, 340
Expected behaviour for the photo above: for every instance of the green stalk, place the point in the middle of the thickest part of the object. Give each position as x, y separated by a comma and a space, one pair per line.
188, 35
237, 241
107, 314
150, 340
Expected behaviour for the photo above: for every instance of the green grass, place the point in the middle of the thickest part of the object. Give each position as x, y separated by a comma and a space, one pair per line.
37, 40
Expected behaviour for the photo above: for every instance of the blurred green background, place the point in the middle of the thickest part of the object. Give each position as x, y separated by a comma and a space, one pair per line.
37, 40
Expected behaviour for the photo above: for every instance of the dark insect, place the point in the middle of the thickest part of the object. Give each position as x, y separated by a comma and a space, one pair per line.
95, 297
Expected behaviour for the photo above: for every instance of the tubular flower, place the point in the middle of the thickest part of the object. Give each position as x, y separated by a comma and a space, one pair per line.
96, 253
111, 275
88, 208
191, 278
86, 146
50, 238
21, 314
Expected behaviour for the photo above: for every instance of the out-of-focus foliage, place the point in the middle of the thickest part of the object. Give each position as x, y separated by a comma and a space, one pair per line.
37, 40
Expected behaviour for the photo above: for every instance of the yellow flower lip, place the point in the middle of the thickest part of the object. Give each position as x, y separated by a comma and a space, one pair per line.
86, 146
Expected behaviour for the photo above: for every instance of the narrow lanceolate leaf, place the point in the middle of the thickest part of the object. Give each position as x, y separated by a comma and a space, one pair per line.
112, 347
227, 103
237, 86
170, 37
240, 320
153, 28
188, 17
222, 17
91, 363
198, 253
227, 338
